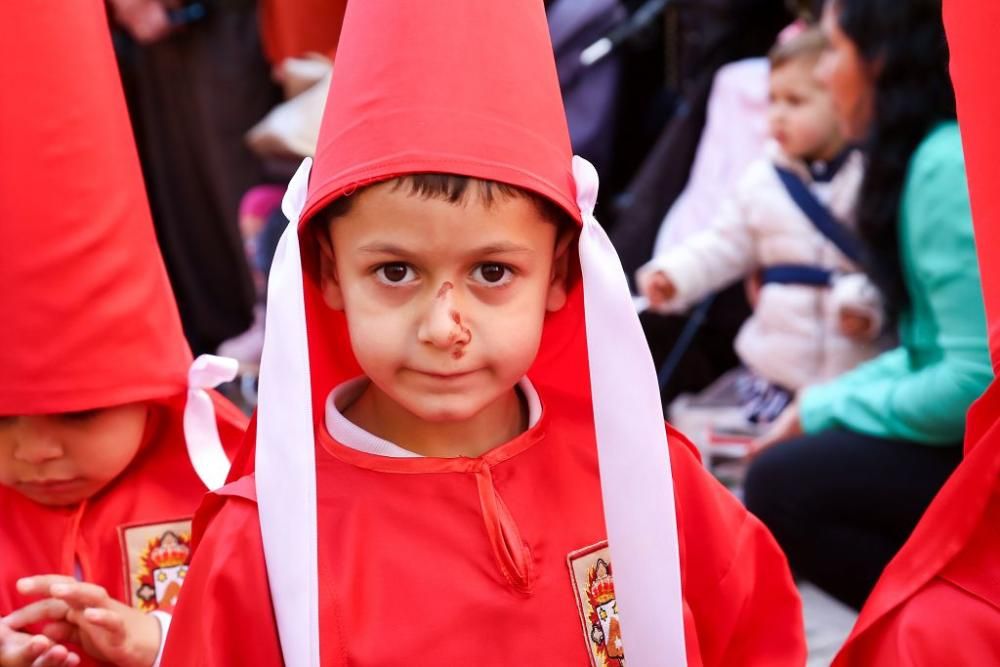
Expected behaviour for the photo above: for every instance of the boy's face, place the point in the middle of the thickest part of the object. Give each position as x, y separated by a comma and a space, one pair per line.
801, 114
63, 459
444, 302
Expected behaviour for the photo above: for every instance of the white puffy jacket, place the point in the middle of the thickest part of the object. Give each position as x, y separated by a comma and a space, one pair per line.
792, 338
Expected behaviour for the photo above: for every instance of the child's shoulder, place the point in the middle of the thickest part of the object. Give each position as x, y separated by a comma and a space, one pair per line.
231, 509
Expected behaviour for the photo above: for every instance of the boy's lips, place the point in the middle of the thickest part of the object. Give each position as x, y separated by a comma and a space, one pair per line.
457, 375
51, 486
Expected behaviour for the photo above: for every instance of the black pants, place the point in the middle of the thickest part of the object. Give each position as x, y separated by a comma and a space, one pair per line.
842, 504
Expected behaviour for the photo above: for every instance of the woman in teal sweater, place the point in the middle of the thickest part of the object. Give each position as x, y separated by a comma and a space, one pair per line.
847, 471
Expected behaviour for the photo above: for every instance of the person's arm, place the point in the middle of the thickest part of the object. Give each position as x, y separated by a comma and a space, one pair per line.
711, 259
892, 396
224, 614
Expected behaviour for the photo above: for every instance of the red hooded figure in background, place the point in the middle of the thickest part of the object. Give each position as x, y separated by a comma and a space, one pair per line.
90, 325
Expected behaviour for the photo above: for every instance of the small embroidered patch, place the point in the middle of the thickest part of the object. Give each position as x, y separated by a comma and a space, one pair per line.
156, 561
594, 587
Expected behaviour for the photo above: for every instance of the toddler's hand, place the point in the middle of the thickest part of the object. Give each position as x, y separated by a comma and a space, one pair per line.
658, 288
855, 324
84, 614
19, 649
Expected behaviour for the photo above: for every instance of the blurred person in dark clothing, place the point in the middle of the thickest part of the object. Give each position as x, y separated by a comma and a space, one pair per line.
196, 81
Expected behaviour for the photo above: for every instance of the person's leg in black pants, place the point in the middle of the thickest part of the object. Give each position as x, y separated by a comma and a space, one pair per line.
841, 504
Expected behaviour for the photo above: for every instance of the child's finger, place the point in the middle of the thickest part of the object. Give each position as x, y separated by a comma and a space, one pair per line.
56, 656
60, 632
80, 594
48, 609
30, 650
40, 584
109, 621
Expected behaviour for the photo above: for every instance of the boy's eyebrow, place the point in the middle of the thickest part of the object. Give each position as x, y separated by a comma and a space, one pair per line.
382, 248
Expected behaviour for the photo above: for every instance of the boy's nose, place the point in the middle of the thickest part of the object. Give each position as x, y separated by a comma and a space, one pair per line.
442, 325
34, 443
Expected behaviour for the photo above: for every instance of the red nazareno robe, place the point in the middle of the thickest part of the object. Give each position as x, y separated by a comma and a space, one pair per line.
133, 538
938, 602
496, 560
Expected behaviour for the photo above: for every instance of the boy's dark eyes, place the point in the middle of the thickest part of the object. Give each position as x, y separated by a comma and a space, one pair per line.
487, 273
394, 273
493, 273
82, 415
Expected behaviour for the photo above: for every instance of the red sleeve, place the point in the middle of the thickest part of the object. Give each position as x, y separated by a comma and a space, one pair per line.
917, 634
224, 614
735, 578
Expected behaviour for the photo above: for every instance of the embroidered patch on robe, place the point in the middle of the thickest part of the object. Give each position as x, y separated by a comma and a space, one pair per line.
156, 561
594, 587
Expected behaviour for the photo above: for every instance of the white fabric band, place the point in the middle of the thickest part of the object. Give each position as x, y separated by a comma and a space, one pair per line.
201, 432
163, 618
636, 482
285, 456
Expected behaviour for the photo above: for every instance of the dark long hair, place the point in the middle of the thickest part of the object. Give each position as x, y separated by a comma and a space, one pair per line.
904, 43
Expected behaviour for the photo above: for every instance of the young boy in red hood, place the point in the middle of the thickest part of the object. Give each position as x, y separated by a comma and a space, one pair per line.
107, 440
938, 601
460, 451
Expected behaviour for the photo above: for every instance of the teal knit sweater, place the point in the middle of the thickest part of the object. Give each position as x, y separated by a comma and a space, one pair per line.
921, 390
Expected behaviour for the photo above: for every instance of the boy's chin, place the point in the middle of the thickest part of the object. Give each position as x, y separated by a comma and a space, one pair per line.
445, 410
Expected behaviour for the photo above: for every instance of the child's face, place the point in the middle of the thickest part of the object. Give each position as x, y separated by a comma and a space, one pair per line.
801, 114
63, 459
444, 302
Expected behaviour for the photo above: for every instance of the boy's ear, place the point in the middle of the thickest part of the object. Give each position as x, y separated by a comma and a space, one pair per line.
329, 285
559, 284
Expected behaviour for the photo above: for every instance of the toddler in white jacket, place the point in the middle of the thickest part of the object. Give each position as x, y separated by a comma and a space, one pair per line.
788, 224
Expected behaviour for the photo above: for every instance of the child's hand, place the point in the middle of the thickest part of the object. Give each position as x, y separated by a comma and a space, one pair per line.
84, 614
855, 324
658, 288
19, 649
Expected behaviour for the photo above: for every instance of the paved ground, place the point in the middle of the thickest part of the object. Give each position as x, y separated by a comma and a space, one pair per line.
827, 624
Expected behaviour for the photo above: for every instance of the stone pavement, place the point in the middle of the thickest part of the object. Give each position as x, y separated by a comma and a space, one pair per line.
828, 623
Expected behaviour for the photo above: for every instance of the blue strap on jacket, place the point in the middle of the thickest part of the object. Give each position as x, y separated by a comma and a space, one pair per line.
819, 215
825, 224
797, 274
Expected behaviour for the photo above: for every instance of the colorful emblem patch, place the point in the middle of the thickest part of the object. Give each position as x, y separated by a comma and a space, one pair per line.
594, 586
156, 561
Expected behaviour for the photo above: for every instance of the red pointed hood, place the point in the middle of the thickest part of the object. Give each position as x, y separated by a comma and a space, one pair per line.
89, 316
971, 35
463, 87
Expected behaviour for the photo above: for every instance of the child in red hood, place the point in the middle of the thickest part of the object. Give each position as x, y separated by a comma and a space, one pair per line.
460, 450
109, 436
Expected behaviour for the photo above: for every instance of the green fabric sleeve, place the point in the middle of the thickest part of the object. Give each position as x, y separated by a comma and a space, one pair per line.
921, 390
